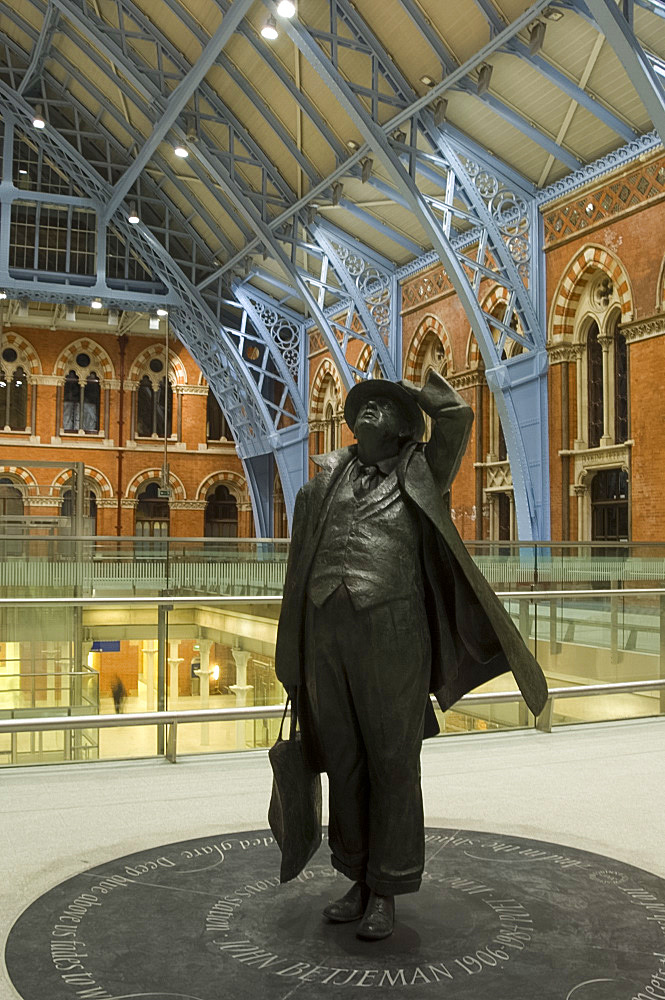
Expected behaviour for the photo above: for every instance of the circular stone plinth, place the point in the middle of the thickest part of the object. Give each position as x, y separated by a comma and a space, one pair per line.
497, 917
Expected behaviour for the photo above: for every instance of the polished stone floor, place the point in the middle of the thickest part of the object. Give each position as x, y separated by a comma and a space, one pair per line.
592, 788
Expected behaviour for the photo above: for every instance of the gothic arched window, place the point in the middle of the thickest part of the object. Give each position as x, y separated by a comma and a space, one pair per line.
221, 514
152, 513
153, 401
89, 509
13, 397
81, 399
595, 398
217, 428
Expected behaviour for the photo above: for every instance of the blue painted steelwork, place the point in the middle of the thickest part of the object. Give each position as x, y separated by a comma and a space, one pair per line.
178, 100
501, 215
41, 49
254, 421
620, 35
254, 208
647, 143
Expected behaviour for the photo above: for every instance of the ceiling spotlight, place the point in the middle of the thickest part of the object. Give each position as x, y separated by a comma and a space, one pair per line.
440, 109
337, 189
352, 144
162, 312
399, 136
133, 215
38, 120
22, 171
366, 165
536, 37
427, 80
96, 304
552, 14
285, 8
3, 294
181, 151
269, 29
484, 77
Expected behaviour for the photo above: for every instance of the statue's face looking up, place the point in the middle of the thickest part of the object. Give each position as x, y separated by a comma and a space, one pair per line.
380, 428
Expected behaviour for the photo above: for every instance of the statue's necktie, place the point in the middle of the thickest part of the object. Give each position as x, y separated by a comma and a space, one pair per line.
365, 478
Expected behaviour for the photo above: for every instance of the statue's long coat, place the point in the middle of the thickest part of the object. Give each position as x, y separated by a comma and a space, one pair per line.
473, 637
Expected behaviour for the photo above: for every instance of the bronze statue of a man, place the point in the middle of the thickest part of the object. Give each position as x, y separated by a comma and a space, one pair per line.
383, 605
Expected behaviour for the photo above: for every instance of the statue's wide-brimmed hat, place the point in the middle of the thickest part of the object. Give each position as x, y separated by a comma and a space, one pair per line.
378, 388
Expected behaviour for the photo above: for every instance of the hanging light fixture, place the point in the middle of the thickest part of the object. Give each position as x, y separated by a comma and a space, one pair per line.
269, 29
3, 294
181, 151
366, 165
38, 120
96, 304
133, 215
162, 312
285, 8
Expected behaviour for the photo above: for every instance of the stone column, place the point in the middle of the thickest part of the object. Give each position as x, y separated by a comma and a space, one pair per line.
174, 672
241, 690
581, 492
607, 344
581, 436
203, 673
149, 672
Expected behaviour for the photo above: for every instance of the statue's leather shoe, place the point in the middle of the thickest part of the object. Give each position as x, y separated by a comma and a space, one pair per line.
379, 918
350, 907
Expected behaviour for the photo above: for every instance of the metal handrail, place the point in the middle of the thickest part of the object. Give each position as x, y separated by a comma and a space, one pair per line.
518, 595
173, 718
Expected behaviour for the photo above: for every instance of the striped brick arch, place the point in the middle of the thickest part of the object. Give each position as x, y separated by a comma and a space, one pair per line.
236, 484
21, 477
473, 355
578, 274
94, 477
147, 475
27, 355
415, 357
100, 361
317, 395
177, 372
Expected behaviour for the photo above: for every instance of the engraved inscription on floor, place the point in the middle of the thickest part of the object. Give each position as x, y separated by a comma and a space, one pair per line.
497, 917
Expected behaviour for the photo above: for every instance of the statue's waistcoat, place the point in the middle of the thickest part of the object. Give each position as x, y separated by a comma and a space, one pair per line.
371, 545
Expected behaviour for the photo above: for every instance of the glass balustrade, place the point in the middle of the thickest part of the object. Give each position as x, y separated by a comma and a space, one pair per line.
35, 566
88, 656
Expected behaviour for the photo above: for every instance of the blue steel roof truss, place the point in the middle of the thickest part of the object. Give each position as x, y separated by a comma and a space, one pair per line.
480, 216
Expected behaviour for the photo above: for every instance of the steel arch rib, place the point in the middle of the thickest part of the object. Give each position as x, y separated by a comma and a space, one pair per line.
149, 249
238, 196
530, 503
611, 22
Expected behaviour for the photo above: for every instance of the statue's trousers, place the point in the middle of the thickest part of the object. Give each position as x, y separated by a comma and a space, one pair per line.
366, 680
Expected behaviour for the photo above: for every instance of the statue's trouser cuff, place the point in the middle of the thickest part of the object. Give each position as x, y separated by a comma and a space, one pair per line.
367, 679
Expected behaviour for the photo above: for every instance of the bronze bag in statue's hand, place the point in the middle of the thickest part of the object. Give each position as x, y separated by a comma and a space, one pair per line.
294, 813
